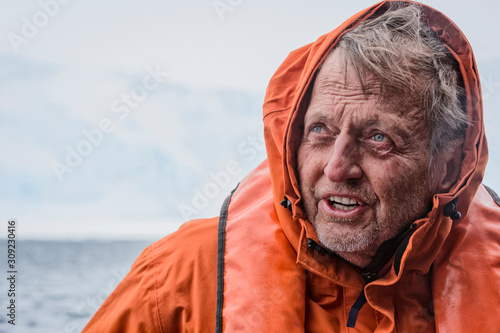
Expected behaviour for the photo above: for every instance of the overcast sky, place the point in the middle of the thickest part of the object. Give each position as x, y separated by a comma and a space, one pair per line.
75, 57
200, 41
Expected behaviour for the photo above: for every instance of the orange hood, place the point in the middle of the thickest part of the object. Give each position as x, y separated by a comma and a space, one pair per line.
287, 99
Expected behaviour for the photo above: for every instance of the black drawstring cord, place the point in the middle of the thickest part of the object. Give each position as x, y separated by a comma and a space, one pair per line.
358, 304
370, 273
286, 203
450, 210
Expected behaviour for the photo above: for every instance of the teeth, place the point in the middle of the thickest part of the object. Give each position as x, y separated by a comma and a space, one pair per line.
345, 201
343, 207
342, 202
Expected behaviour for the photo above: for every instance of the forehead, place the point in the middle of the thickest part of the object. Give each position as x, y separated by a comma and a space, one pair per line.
339, 84
337, 72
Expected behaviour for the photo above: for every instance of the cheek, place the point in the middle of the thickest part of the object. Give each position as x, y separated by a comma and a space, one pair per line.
308, 165
396, 181
382, 183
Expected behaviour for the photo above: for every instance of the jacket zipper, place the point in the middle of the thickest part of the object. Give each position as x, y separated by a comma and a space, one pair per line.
370, 274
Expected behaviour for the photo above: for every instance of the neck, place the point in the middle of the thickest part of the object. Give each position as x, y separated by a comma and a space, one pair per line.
374, 262
357, 258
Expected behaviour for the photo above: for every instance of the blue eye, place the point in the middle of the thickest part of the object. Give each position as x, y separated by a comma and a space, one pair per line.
378, 137
317, 129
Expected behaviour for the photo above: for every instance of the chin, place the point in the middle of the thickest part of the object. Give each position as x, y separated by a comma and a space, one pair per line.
364, 240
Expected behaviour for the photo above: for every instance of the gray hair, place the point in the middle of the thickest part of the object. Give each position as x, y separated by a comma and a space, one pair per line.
410, 60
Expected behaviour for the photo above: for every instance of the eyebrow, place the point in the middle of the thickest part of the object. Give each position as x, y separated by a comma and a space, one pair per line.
319, 118
324, 119
370, 121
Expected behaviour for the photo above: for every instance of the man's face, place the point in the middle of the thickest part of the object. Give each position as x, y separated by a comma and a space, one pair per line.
362, 163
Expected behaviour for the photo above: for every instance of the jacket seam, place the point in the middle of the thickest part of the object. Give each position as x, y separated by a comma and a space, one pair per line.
157, 296
274, 111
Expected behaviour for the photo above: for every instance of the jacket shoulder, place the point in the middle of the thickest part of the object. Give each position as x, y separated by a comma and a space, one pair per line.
171, 287
466, 274
194, 240
186, 277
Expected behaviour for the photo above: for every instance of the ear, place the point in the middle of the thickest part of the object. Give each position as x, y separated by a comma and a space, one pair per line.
449, 169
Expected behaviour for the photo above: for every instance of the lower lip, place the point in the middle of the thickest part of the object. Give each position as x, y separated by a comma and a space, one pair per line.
334, 212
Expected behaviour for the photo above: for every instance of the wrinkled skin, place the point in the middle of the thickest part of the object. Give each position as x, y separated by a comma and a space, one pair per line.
368, 152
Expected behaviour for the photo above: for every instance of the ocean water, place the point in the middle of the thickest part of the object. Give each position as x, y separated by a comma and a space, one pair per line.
61, 284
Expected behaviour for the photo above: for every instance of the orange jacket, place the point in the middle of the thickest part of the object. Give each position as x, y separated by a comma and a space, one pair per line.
258, 268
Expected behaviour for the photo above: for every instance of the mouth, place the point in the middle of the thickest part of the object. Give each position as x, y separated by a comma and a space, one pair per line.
342, 203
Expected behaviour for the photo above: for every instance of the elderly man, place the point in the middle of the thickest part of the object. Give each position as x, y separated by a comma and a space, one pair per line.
369, 213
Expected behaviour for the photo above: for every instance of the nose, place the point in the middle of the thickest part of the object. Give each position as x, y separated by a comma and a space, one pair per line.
343, 162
